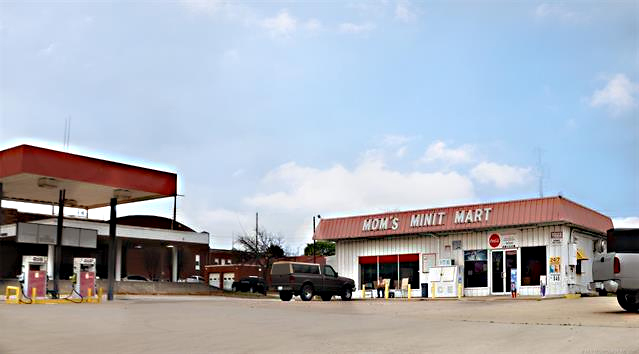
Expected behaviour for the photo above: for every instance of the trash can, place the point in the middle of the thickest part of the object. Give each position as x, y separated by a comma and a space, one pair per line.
424, 289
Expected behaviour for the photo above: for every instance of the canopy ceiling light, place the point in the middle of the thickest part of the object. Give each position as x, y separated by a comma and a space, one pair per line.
70, 202
122, 194
48, 182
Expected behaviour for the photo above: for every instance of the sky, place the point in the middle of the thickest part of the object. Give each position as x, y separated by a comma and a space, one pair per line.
299, 108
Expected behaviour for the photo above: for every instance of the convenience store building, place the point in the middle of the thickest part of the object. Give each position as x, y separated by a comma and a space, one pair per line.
549, 241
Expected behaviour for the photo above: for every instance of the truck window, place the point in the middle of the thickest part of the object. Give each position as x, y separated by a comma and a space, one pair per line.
281, 268
623, 240
328, 271
306, 268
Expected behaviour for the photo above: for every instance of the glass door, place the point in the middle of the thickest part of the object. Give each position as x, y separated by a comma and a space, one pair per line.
497, 261
502, 262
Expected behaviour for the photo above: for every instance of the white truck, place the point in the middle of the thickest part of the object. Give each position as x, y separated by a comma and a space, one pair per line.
616, 270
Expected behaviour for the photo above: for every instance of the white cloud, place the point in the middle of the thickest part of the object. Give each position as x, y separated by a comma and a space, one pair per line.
559, 11
313, 25
401, 152
281, 26
368, 186
438, 152
238, 173
395, 140
356, 28
404, 12
619, 95
502, 176
628, 222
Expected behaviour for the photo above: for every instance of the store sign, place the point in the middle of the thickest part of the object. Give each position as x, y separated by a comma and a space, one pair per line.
503, 241
471, 216
556, 238
461, 217
494, 240
381, 224
509, 241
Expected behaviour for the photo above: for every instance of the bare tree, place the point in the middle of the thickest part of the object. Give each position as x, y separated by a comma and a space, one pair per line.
262, 250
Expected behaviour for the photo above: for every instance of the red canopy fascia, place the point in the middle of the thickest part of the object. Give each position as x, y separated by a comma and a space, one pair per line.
88, 181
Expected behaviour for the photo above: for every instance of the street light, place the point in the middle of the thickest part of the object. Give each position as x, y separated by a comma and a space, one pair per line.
319, 217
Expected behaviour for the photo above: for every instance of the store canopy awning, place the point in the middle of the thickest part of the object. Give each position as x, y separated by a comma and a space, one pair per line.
36, 175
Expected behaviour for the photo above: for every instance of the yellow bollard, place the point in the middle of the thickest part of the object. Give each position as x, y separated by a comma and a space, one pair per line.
33, 295
409, 291
8, 295
386, 291
459, 291
99, 295
88, 294
363, 291
433, 289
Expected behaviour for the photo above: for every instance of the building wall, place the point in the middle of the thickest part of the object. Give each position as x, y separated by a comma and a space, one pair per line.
349, 251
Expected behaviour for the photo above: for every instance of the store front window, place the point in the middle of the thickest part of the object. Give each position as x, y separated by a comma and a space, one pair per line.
476, 269
533, 265
393, 267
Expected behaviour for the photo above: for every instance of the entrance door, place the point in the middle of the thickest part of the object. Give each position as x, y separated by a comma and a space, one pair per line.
502, 262
497, 261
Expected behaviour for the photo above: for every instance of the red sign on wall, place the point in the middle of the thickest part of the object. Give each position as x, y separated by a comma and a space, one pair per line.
494, 240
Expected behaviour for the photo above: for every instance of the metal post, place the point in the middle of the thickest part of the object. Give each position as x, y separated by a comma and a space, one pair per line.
57, 262
256, 238
174, 212
1, 212
111, 262
313, 238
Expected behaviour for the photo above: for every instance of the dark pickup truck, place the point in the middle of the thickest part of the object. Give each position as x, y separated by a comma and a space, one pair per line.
308, 280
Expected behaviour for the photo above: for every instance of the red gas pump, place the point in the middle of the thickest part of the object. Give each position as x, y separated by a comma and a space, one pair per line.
84, 274
34, 276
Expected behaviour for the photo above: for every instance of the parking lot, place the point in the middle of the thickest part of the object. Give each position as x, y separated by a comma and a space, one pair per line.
199, 324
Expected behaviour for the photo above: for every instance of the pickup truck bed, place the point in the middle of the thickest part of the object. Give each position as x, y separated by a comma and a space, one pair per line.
618, 270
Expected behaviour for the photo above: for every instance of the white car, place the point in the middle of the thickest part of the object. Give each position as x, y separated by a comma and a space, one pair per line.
195, 279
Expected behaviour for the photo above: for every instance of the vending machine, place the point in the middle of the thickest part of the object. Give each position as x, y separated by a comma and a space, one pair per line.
84, 276
34, 276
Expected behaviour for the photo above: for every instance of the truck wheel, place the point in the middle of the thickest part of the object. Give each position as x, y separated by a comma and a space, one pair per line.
347, 294
327, 297
286, 295
307, 292
628, 301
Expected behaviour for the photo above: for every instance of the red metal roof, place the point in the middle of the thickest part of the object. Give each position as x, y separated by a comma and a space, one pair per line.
90, 182
449, 219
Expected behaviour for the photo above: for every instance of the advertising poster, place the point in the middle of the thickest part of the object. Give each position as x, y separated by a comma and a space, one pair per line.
554, 271
428, 261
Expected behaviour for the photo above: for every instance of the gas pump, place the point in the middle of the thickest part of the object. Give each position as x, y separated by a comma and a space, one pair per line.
34, 275
83, 277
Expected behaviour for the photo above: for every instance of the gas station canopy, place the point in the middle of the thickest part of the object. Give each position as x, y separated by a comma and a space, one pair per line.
35, 175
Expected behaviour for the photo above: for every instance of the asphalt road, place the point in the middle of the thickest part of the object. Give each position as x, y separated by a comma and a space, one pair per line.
218, 324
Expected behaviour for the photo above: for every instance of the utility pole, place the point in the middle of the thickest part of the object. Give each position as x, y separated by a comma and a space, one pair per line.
256, 236
313, 238
540, 172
